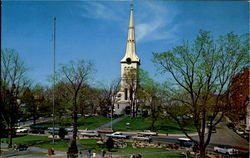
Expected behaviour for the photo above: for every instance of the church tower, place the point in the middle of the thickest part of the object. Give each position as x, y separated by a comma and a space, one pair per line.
129, 66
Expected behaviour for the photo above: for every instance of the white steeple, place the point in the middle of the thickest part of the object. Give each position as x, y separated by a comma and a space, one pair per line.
130, 55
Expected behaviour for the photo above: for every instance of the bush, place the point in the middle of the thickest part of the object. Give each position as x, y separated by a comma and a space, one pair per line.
62, 132
110, 144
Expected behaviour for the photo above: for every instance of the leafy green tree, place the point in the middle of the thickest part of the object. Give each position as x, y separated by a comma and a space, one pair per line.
199, 75
151, 96
75, 76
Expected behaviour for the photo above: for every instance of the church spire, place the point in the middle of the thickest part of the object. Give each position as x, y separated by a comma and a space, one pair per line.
130, 55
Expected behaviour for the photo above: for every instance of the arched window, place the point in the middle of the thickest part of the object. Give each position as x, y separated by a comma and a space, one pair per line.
131, 94
126, 94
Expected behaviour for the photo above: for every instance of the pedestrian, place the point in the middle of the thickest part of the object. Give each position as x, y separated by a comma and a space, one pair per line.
103, 153
89, 153
94, 155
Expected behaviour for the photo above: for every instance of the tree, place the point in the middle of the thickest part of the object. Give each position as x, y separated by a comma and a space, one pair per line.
150, 95
75, 75
200, 79
62, 132
131, 79
110, 143
14, 81
106, 97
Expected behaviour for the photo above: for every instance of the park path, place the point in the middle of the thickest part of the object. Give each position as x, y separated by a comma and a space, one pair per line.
108, 125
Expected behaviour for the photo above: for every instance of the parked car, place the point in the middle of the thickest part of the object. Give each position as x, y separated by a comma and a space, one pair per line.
230, 125
37, 129
69, 129
55, 130
142, 137
89, 133
105, 130
118, 135
213, 130
185, 142
246, 136
226, 149
239, 131
148, 133
21, 130
20, 147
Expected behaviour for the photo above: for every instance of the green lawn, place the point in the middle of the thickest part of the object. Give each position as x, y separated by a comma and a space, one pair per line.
27, 139
90, 144
83, 122
167, 155
162, 125
60, 145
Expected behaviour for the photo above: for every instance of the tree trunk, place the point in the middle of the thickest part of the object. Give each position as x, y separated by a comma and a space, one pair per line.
73, 147
153, 124
202, 152
34, 120
10, 134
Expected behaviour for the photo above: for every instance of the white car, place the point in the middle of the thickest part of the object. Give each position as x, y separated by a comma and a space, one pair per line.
89, 133
142, 137
148, 133
239, 131
118, 135
226, 149
21, 130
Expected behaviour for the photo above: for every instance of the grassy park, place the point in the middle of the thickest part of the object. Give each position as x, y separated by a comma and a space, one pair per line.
162, 125
83, 122
27, 139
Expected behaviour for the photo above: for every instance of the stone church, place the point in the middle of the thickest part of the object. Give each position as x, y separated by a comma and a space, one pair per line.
128, 85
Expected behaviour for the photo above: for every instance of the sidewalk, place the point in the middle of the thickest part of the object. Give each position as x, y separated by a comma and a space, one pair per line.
108, 125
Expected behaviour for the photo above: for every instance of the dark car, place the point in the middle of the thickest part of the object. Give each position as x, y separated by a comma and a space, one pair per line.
230, 125
20, 147
37, 129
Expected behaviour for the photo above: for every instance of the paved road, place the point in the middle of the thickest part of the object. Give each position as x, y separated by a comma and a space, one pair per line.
223, 136
108, 125
30, 122
227, 136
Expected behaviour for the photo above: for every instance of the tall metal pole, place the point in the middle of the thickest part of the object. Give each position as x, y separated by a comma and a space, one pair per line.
1, 71
54, 70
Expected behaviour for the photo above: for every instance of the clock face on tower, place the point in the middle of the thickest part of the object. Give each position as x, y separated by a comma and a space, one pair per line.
128, 60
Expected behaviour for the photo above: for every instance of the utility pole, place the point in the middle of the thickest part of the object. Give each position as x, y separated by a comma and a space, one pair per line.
54, 70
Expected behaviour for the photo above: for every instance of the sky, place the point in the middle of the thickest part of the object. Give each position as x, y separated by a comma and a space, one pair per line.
97, 31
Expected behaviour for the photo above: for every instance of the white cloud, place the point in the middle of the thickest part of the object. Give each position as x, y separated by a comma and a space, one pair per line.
156, 24
97, 10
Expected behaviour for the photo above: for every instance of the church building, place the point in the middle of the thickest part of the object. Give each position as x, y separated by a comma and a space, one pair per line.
126, 97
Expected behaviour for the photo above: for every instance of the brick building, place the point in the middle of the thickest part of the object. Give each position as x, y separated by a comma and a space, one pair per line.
240, 97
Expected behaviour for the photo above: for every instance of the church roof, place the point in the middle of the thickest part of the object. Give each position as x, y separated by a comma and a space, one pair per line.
130, 55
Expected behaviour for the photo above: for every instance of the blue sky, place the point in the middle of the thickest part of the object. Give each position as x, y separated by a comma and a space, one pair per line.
97, 31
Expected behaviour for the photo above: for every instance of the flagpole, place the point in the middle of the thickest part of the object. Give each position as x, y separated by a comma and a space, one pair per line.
54, 69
